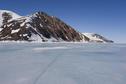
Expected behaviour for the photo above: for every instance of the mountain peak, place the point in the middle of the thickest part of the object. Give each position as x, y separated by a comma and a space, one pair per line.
37, 27
97, 38
7, 15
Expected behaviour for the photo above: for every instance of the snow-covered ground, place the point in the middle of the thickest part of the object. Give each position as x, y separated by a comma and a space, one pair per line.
62, 63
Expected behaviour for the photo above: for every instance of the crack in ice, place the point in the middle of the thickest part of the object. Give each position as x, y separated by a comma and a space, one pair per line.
45, 70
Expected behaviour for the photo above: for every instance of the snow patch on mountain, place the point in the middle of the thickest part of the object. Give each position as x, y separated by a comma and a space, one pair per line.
13, 15
92, 36
15, 31
35, 37
96, 37
1, 29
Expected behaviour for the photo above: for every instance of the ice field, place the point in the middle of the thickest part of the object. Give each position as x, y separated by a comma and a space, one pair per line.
62, 63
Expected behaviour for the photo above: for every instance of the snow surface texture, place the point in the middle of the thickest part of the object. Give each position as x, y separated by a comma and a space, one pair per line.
62, 63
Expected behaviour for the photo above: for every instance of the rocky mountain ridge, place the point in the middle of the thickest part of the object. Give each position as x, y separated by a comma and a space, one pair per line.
37, 27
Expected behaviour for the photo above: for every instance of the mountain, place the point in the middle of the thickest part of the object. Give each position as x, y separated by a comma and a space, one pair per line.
6, 15
37, 27
97, 38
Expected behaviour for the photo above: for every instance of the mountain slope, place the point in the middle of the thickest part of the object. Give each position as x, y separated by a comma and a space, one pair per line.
40, 27
97, 38
6, 16
37, 27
